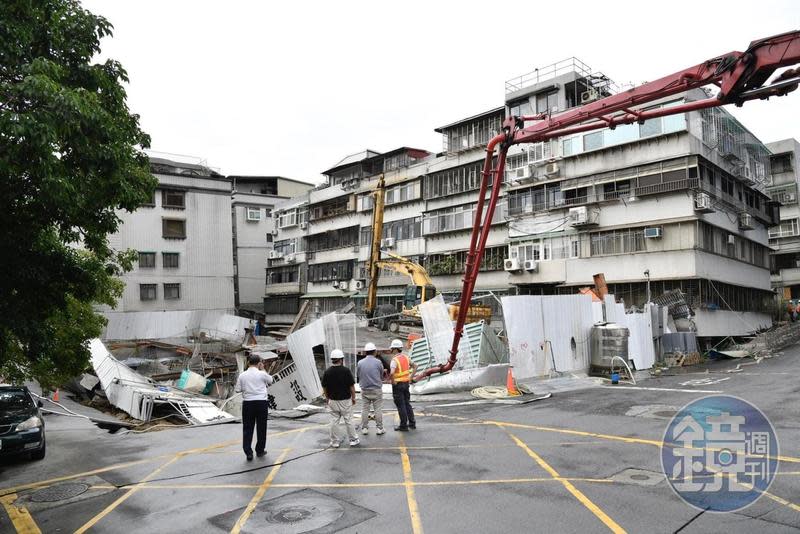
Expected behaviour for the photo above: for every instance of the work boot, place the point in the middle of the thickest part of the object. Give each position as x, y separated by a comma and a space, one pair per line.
380, 432
413, 426
249, 457
401, 429
261, 454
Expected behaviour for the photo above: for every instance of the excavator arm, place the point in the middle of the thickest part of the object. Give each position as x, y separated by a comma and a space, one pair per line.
419, 276
740, 77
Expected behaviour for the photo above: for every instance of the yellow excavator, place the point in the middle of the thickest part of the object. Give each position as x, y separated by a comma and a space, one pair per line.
420, 290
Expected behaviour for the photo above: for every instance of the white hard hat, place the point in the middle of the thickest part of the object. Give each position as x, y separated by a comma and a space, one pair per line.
369, 346
336, 354
396, 344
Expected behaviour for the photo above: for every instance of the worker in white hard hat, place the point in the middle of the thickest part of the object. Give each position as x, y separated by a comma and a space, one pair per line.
370, 378
401, 370
339, 390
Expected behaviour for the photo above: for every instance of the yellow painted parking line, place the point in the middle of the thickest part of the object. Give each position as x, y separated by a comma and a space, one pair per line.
110, 508
583, 499
262, 489
20, 517
413, 508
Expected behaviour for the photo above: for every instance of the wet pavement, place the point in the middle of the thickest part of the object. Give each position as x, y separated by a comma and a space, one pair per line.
582, 461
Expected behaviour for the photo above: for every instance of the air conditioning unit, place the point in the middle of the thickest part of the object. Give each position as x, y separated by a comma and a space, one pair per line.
274, 231
746, 221
702, 202
275, 255
303, 225
290, 258
552, 169
580, 216
654, 232
253, 214
731, 239
344, 285
530, 265
387, 243
359, 284
511, 265
589, 96
789, 197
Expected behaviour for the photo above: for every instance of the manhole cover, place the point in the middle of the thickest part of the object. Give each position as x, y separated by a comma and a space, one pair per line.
304, 512
59, 492
639, 477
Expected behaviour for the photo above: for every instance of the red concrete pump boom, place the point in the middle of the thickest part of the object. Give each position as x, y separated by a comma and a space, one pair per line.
740, 76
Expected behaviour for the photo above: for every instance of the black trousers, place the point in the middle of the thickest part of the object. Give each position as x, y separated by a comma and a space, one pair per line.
402, 399
254, 414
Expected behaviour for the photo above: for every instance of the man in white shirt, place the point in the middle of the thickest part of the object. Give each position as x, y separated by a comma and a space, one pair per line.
253, 385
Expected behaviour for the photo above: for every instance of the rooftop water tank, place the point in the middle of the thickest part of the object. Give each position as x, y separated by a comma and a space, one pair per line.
608, 340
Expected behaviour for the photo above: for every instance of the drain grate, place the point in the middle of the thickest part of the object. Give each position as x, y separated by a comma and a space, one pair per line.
59, 492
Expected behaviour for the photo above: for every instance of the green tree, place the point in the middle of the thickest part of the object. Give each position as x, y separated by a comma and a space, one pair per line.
70, 156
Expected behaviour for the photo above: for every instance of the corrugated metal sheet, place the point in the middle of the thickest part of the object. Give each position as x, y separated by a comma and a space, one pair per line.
485, 349
640, 342
174, 324
548, 331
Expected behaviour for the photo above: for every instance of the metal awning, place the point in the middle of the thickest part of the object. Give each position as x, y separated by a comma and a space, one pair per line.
328, 294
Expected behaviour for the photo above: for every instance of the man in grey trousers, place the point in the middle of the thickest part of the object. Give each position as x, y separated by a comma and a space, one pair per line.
370, 377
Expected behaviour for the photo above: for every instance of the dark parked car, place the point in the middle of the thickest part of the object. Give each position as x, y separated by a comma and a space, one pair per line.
21, 423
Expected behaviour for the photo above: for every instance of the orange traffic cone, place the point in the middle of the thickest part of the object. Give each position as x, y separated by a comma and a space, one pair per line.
55, 395
512, 389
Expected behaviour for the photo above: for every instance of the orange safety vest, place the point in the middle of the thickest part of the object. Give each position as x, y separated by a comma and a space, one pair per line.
402, 370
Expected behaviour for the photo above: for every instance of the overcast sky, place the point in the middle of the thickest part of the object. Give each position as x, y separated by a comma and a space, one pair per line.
290, 88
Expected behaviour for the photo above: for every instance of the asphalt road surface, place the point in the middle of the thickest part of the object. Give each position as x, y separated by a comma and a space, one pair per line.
581, 461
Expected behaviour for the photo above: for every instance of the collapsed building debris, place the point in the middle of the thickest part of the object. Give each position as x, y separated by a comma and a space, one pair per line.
138, 395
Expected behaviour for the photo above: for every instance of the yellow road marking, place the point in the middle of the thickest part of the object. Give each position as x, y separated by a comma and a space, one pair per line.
259, 494
113, 467
110, 508
584, 500
413, 508
20, 517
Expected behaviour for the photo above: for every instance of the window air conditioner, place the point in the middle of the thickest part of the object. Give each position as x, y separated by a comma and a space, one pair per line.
359, 284
303, 225
552, 169
702, 202
253, 214
589, 96
654, 232
387, 243
511, 265
530, 265
746, 221
579, 216
290, 258
344, 285
275, 255
789, 197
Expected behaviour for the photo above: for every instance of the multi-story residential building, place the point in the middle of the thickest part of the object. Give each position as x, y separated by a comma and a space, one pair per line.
286, 262
785, 237
254, 198
674, 203
183, 238
677, 202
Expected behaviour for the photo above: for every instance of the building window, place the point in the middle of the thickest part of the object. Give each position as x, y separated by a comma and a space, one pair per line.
147, 291
286, 274
399, 230
170, 260
173, 228
617, 242
330, 272
402, 193
151, 202
147, 260
253, 214
458, 218
269, 237
520, 108
454, 181
455, 262
284, 304
781, 163
787, 228
337, 238
173, 198
286, 246
172, 291
287, 218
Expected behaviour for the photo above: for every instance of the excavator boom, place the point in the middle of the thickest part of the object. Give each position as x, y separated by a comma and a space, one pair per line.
740, 77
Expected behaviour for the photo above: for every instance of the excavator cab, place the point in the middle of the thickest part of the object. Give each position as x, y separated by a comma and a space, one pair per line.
416, 295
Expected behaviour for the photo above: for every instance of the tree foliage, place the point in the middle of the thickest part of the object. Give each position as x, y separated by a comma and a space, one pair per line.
70, 157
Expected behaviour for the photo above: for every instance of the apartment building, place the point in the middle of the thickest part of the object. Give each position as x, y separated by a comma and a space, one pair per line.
253, 200
183, 237
785, 236
674, 203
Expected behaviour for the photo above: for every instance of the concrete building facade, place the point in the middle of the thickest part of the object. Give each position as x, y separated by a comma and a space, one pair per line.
184, 243
785, 236
678, 202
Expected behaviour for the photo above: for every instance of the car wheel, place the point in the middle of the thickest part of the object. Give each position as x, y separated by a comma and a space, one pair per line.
39, 455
